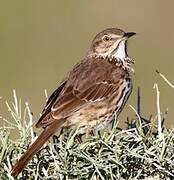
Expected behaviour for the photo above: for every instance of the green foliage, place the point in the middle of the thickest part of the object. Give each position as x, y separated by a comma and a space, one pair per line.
142, 150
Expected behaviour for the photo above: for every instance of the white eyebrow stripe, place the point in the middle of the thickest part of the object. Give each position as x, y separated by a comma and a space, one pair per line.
116, 36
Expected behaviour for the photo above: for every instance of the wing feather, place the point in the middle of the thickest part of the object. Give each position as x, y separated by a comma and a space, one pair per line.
46, 111
70, 103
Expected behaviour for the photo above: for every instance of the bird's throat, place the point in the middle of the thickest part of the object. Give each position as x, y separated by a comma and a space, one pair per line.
120, 52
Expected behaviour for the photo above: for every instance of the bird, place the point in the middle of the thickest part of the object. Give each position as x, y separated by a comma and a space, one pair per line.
91, 95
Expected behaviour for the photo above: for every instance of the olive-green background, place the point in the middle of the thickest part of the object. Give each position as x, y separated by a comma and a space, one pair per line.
41, 40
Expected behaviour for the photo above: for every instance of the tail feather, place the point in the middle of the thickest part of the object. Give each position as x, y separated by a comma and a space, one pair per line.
35, 147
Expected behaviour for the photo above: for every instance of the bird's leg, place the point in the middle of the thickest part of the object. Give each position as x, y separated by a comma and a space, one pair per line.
78, 138
91, 132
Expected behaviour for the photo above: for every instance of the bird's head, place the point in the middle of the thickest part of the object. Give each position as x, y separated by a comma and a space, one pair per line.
111, 43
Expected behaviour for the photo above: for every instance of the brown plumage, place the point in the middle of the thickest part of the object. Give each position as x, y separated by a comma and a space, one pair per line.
93, 93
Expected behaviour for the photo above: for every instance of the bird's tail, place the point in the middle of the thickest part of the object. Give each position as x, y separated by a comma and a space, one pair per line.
35, 147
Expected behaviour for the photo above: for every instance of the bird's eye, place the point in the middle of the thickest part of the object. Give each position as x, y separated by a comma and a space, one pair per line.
106, 38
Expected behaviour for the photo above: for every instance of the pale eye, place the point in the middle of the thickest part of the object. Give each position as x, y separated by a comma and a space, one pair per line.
106, 38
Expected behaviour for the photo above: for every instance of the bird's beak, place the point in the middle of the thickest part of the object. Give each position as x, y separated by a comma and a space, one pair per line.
129, 34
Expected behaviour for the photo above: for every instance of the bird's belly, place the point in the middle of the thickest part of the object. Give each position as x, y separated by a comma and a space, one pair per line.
88, 116
99, 114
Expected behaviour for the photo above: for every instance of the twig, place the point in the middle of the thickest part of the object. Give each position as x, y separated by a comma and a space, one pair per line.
138, 102
165, 79
46, 94
158, 110
139, 118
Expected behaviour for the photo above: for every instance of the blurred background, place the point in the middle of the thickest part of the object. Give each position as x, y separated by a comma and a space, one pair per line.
40, 41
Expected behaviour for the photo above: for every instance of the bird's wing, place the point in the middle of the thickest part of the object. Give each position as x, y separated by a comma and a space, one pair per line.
51, 100
87, 83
